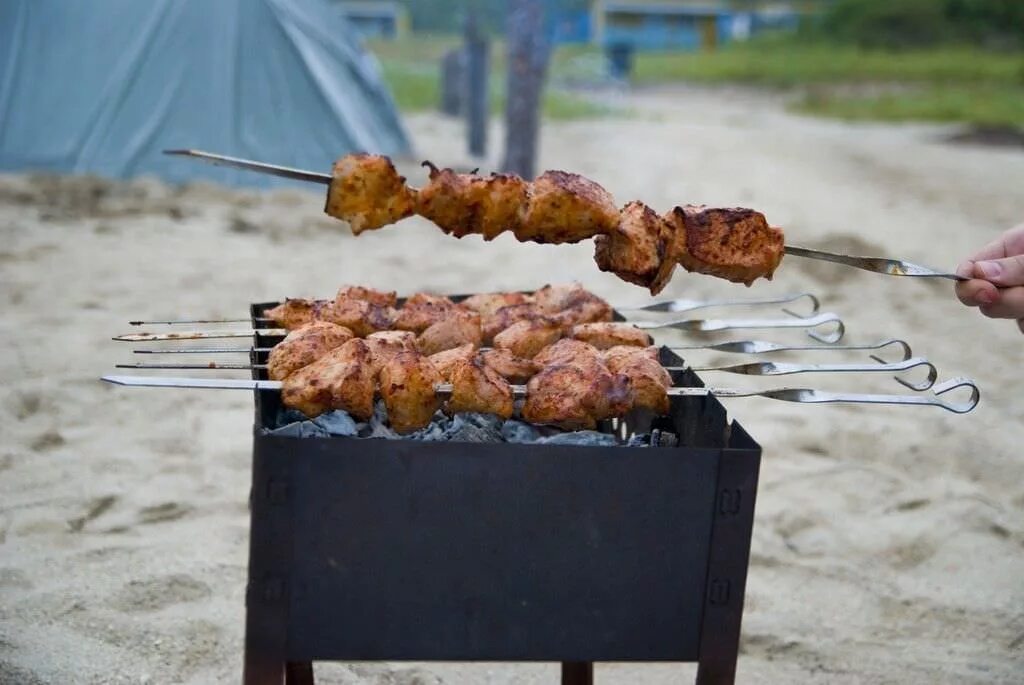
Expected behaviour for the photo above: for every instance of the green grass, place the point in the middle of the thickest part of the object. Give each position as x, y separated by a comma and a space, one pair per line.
412, 69
949, 84
979, 105
784, 61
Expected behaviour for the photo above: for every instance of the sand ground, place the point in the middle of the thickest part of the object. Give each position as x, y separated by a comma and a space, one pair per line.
888, 544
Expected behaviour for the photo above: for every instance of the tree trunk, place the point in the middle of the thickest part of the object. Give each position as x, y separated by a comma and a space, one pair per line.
528, 53
477, 50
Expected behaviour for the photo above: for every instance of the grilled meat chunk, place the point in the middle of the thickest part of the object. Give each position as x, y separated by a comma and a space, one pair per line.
606, 334
503, 317
487, 304
303, 346
407, 383
512, 368
649, 379
572, 304
384, 345
478, 388
445, 361
462, 204
341, 379
568, 351
636, 247
576, 397
735, 244
566, 208
295, 312
458, 328
377, 297
421, 311
527, 338
368, 192
359, 316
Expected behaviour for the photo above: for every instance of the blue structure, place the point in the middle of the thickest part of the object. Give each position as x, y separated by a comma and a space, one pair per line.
663, 25
103, 86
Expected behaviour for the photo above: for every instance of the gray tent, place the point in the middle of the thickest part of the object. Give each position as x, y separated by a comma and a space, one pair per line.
102, 86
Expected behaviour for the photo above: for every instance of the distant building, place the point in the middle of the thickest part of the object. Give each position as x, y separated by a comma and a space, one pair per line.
686, 24
372, 19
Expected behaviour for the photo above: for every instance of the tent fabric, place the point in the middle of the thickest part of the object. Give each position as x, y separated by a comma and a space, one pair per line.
102, 86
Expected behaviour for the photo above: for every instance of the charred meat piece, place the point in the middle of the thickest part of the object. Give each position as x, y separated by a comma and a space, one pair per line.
463, 204
421, 311
503, 317
572, 304
576, 397
478, 388
648, 377
566, 208
512, 368
445, 361
303, 346
606, 334
527, 338
735, 244
377, 297
359, 316
368, 192
407, 383
487, 304
294, 312
636, 247
568, 351
341, 379
384, 345
458, 328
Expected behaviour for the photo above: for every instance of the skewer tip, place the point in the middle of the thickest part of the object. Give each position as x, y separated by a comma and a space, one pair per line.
179, 151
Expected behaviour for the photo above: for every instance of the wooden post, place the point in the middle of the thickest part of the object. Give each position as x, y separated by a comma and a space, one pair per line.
528, 53
452, 82
477, 53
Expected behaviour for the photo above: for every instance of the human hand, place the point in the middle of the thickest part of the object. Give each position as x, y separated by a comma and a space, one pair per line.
997, 278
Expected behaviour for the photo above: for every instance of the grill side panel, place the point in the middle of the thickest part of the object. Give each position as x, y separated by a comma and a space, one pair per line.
496, 552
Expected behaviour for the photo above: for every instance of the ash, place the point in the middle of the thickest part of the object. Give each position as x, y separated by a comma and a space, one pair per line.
469, 427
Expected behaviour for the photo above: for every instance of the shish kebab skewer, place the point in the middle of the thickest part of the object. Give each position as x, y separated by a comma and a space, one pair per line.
702, 325
733, 346
747, 369
636, 243
669, 306
801, 395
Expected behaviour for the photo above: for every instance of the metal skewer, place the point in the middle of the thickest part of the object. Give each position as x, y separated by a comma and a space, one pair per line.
707, 325
881, 265
684, 305
673, 306
810, 322
204, 350
802, 395
764, 346
752, 369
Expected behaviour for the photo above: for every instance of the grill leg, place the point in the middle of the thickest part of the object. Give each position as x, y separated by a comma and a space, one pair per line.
298, 673
577, 673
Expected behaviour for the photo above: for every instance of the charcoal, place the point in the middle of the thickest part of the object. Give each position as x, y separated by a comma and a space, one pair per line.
639, 440
300, 429
518, 431
591, 438
337, 422
473, 427
661, 438
287, 416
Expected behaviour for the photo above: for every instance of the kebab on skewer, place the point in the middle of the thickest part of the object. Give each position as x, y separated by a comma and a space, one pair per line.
636, 243
577, 386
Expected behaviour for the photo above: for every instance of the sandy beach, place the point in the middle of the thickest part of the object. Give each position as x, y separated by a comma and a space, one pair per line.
888, 543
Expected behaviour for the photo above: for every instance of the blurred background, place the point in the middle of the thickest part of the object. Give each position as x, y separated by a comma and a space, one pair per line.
888, 542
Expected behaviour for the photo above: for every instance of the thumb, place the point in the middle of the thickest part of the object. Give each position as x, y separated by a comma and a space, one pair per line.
1002, 272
